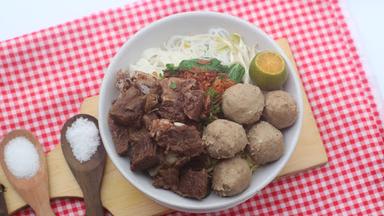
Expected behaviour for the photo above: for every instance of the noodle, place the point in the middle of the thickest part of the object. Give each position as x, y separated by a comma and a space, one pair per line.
217, 43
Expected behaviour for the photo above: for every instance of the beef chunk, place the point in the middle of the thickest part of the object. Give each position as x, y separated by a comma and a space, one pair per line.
148, 118
167, 178
169, 88
172, 106
123, 80
151, 101
199, 162
181, 139
174, 159
120, 138
147, 83
173, 85
137, 136
172, 110
193, 104
128, 109
194, 184
190, 183
159, 126
180, 100
142, 152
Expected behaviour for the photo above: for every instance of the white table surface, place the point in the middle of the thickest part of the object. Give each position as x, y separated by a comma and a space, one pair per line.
18, 17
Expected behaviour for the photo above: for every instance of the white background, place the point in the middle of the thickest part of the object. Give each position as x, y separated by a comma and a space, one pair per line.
365, 18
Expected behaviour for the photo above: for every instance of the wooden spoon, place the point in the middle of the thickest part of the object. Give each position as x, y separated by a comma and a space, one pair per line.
34, 190
88, 174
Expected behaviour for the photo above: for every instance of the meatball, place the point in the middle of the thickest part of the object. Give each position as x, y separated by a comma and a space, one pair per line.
280, 109
231, 177
243, 103
224, 138
266, 143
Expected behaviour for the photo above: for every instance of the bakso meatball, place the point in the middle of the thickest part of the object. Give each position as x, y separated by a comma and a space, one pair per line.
231, 177
266, 143
243, 103
280, 109
224, 138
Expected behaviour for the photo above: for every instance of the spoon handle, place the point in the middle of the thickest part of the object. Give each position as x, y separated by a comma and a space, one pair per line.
93, 204
3, 204
43, 209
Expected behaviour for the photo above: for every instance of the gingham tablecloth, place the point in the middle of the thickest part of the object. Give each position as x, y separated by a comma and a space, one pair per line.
44, 76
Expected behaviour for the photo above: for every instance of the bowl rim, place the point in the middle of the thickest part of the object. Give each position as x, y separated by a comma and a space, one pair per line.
239, 198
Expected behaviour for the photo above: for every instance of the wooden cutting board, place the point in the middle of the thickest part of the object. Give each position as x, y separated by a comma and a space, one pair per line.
121, 198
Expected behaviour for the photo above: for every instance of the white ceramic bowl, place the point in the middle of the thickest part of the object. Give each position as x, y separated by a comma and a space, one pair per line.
154, 35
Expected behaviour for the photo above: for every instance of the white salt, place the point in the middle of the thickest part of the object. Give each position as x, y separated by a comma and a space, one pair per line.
83, 137
21, 157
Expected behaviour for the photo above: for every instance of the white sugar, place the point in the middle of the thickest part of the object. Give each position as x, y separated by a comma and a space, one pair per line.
83, 137
21, 157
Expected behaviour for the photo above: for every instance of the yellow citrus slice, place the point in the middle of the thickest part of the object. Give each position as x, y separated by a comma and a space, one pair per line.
267, 70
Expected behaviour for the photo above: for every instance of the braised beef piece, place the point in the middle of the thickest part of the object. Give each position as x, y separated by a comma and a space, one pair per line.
172, 110
179, 142
148, 118
172, 103
123, 80
159, 126
194, 184
180, 99
142, 153
190, 183
137, 135
128, 108
120, 138
193, 104
182, 139
175, 160
146, 83
167, 178
151, 101
199, 162
170, 88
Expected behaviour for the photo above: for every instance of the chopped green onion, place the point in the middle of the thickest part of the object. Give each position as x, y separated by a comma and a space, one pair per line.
172, 85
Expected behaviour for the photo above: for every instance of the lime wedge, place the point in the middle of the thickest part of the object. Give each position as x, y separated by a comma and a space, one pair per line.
267, 70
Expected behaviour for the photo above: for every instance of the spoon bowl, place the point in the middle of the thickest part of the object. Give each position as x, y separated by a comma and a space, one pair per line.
88, 174
33, 190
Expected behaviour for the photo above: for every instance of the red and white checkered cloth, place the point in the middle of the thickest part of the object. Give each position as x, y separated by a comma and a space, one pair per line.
44, 76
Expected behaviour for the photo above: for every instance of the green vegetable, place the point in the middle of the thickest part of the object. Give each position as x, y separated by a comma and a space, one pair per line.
172, 85
212, 93
216, 63
213, 65
236, 72
215, 108
171, 69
